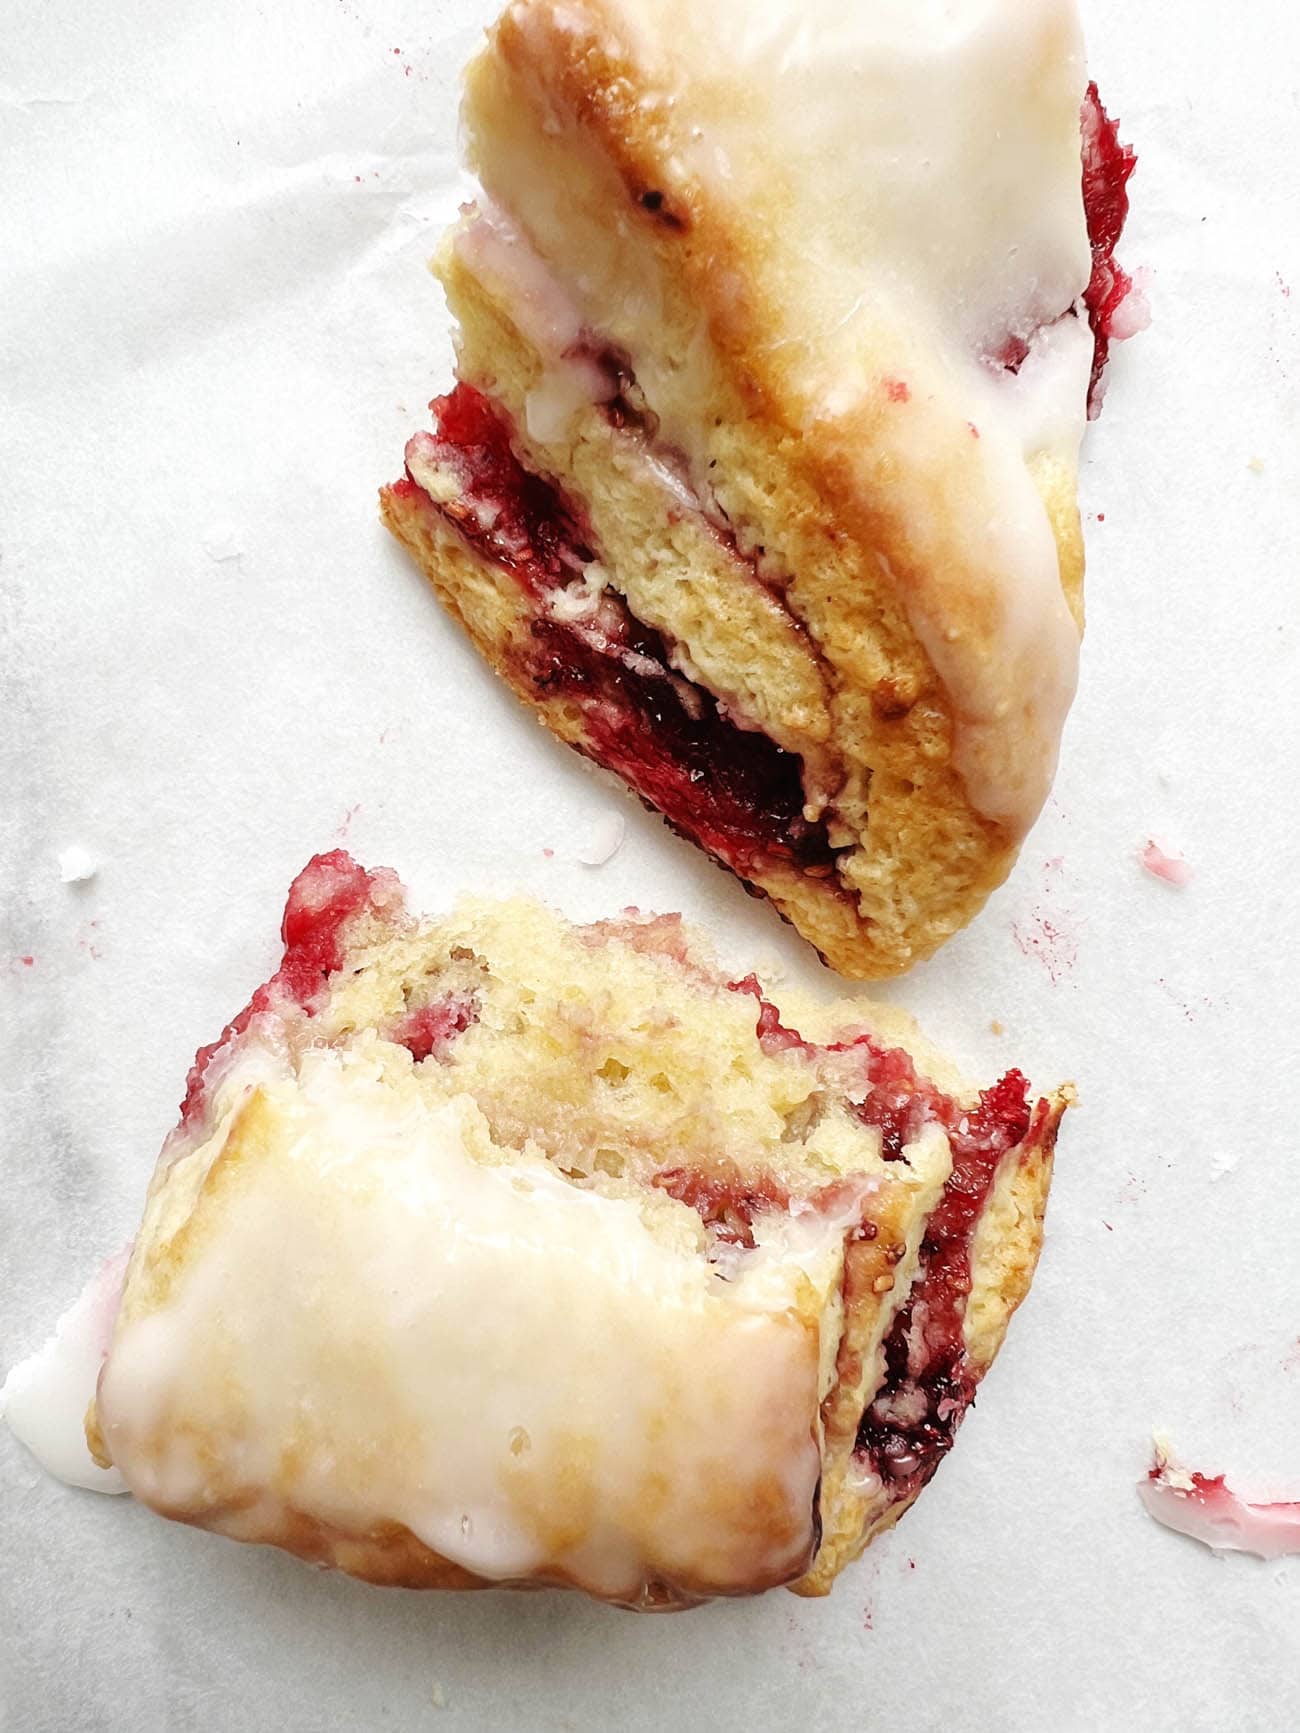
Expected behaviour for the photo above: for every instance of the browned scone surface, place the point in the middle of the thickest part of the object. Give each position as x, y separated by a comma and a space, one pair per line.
769, 573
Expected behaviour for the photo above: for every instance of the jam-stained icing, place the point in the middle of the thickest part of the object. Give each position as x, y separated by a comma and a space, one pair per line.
1204, 1507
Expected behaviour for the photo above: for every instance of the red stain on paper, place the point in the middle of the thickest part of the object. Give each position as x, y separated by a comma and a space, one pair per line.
1188, 1008
1050, 940
1132, 1190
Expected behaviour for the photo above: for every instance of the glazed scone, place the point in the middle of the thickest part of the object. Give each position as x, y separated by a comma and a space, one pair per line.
494, 1250
777, 326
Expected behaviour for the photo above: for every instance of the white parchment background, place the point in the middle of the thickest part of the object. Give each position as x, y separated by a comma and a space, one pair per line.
215, 335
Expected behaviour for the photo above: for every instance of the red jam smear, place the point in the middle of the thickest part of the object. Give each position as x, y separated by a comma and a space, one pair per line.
928, 1383
324, 897
1108, 167
725, 1201
433, 1028
731, 790
507, 513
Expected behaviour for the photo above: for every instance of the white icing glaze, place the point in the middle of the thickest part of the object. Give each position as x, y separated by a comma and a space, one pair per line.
930, 148
493, 248
374, 1320
44, 1398
911, 170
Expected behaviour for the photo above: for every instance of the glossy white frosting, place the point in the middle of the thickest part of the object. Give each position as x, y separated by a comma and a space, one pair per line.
45, 1397
371, 1318
908, 173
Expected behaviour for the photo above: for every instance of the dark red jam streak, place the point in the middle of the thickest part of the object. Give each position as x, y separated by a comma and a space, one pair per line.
928, 1383
725, 1202
1107, 168
731, 790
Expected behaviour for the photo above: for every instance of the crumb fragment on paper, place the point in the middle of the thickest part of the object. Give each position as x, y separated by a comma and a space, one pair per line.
1171, 868
76, 865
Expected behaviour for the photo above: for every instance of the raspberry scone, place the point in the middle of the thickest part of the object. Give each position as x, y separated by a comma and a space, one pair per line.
494, 1250
778, 324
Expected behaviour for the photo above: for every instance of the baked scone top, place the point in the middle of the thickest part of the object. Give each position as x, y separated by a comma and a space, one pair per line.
879, 212
491, 1249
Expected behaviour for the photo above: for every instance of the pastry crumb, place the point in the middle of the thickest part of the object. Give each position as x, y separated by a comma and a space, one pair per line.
76, 865
1171, 868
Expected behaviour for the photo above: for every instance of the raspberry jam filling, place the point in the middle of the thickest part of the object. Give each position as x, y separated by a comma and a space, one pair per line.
324, 897
928, 1381
433, 1028
1107, 168
725, 1201
328, 891
732, 790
